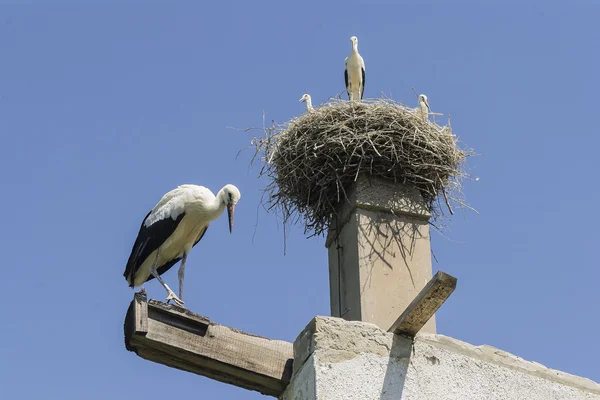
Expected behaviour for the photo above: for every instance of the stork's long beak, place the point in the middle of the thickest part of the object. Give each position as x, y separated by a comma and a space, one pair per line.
230, 211
302, 99
427, 104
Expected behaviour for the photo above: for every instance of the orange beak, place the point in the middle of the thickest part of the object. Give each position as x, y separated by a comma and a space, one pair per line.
230, 211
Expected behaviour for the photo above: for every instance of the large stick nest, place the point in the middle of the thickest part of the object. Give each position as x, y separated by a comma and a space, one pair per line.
313, 159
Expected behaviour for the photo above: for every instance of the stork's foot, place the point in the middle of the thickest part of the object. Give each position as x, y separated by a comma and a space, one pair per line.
176, 299
142, 290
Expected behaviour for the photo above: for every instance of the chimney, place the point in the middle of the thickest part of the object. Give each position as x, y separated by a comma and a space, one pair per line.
379, 252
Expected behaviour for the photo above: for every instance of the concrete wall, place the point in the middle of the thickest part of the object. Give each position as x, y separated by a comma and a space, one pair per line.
341, 360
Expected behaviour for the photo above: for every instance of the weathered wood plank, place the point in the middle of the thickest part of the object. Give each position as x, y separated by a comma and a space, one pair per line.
178, 317
136, 322
181, 339
424, 306
141, 313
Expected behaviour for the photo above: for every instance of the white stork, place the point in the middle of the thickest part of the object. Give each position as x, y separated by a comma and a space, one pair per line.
306, 99
423, 109
172, 228
354, 72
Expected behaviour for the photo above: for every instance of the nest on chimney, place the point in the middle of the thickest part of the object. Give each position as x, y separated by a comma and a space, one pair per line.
313, 159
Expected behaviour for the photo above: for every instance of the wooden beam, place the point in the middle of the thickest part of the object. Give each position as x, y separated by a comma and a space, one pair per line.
424, 306
178, 338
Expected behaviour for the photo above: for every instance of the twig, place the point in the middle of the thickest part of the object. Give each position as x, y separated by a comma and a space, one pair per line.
447, 202
415, 92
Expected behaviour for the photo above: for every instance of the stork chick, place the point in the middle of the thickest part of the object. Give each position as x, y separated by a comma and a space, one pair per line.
423, 109
306, 99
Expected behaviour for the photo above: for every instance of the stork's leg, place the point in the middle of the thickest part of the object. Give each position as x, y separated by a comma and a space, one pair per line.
170, 294
181, 273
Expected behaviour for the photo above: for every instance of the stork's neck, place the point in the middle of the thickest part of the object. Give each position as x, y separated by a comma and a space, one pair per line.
355, 48
309, 103
215, 209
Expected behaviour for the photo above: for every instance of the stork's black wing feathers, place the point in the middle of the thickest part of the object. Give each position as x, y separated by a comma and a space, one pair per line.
165, 267
363, 84
149, 239
346, 80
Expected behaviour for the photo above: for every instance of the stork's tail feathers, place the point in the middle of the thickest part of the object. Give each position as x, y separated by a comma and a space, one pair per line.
127, 276
130, 279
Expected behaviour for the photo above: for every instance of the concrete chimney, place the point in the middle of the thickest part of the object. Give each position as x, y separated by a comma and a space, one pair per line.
379, 252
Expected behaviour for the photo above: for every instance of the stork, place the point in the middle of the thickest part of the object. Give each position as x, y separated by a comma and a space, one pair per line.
172, 228
423, 109
354, 72
306, 99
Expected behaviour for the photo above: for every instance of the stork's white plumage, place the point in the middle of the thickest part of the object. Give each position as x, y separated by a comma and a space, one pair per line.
172, 228
306, 99
423, 109
354, 72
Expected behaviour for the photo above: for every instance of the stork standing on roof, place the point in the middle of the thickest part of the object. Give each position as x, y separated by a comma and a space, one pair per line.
172, 228
423, 109
354, 72
306, 99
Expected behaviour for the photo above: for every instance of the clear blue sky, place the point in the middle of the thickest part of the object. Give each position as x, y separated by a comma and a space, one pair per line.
105, 107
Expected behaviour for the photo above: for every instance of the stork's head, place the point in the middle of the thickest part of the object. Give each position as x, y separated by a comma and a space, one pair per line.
354, 41
423, 100
230, 196
305, 98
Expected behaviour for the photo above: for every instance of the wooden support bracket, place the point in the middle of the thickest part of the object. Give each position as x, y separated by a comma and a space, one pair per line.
178, 338
424, 306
